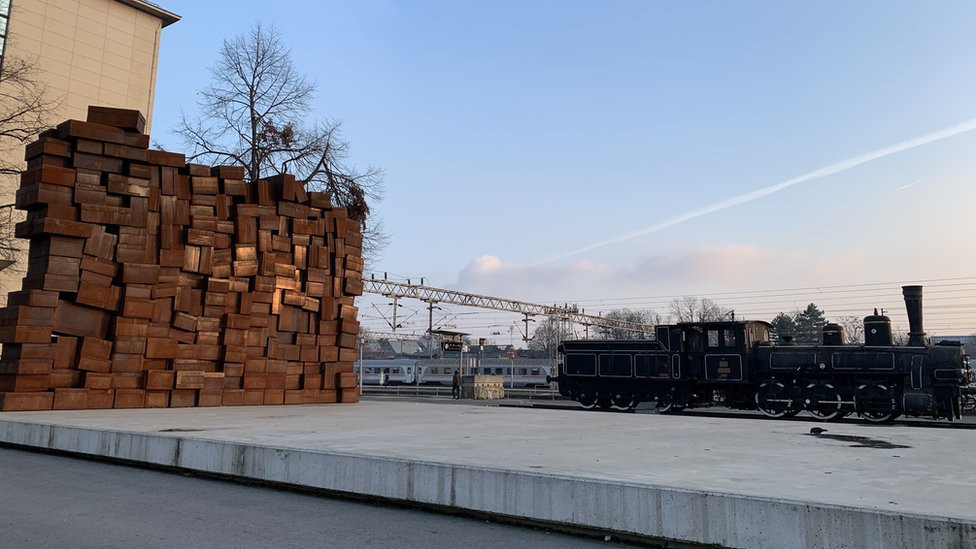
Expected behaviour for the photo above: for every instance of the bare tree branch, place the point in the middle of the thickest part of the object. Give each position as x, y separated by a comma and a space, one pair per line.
255, 112
26, 109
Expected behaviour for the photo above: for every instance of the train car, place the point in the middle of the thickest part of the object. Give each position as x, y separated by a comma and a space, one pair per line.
440, 371
399, 371
736, 364
519, 372
437, 371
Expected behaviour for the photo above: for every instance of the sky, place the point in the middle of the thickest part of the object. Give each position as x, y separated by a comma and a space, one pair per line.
621, 154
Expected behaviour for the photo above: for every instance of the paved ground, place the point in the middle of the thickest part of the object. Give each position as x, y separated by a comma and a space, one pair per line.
901, 469
55, 501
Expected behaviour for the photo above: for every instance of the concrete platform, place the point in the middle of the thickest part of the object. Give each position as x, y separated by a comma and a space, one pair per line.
728, 482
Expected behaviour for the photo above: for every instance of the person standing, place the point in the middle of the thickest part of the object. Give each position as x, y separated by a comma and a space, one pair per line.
456, 384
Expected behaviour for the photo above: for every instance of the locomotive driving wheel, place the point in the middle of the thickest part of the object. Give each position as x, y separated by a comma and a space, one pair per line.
875, 402
587, 400
774, 400
624, 401
667, 405
822, 400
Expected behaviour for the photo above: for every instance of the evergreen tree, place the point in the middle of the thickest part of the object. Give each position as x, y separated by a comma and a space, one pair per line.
785, 325
809, 324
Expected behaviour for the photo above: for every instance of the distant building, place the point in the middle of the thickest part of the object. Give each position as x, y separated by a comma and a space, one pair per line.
88, 52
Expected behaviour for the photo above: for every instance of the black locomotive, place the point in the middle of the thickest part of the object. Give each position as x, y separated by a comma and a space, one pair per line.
735, 363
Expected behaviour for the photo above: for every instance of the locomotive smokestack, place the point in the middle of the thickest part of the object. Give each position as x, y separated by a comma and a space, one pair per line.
913, 304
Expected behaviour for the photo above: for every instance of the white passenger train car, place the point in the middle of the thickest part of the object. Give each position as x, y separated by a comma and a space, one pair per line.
520, 372
399, 371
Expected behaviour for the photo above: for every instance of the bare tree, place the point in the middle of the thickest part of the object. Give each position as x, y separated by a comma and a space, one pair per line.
645, 316
547, 335
697, 309
26, 108
254, 113
25, 111
853, 326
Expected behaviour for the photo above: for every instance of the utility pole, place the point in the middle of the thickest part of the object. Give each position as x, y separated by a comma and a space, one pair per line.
525, 336
394, 326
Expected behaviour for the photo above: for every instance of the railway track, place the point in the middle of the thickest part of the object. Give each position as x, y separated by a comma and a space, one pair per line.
549, 399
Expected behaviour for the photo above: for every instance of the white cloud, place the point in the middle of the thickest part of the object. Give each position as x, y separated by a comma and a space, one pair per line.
490, 275
699, 271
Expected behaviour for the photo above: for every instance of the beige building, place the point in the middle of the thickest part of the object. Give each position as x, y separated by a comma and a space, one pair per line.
87, 52
91, 52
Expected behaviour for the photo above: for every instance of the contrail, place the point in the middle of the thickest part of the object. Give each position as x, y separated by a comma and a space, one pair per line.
844, 165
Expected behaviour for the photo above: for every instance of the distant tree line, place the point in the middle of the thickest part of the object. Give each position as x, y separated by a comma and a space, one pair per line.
801, 326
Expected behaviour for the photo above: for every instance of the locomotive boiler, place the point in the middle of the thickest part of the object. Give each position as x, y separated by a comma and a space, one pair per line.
735, 364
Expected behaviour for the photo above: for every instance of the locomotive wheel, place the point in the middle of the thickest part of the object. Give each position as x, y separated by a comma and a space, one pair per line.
666, 405
874, 403
823, 401
624, 401
587, 400
878, 417
774, 400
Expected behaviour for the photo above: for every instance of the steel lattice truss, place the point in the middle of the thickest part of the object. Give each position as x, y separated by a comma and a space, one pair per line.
570, 313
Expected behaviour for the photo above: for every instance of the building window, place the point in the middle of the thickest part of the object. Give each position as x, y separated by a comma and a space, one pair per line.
4, 26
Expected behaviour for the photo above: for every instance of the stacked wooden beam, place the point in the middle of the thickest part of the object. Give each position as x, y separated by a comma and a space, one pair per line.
156, 283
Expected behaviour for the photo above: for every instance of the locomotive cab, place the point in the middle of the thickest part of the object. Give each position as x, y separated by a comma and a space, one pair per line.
718, 352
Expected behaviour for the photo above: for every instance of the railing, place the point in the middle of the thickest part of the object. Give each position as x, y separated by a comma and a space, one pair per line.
439, 390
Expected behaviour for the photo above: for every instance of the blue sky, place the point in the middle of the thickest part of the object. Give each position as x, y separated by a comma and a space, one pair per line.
515, 132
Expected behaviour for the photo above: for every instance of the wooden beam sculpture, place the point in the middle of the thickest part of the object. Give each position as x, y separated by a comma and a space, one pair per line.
156, 283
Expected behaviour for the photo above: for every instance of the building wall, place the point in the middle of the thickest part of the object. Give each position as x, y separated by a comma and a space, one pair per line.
88, 52
91, 52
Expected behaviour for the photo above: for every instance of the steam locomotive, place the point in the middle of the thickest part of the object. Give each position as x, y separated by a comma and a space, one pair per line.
735, 364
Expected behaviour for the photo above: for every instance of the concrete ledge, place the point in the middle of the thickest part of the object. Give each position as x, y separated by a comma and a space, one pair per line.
618, 505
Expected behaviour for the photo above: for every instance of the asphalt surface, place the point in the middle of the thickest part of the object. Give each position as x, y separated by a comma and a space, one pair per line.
57, 501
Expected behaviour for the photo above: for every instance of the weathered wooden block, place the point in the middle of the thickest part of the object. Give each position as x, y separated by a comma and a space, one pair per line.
126, 119
100, 399
347, 396
70, 399
210, 397
13, 402
24, 383
130, 398
157, 399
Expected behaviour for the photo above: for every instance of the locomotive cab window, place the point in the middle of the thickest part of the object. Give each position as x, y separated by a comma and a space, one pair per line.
713, 338
728, 338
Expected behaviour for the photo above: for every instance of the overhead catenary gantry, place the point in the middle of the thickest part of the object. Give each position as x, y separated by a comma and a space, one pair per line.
431, 295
